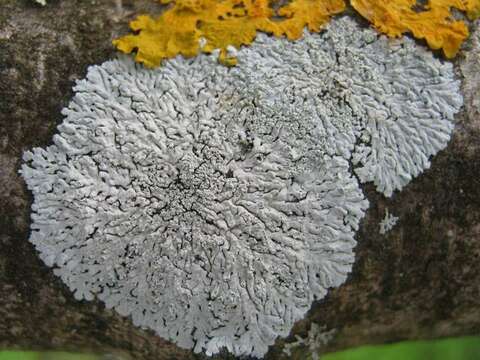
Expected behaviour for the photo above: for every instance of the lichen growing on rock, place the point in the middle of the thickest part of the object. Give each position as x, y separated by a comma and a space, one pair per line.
214, 205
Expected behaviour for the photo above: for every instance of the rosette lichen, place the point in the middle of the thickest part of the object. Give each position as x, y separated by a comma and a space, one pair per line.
214, 205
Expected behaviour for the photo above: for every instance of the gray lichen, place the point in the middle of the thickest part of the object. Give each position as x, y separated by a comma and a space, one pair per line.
388, 222
408, 101
317, 338
214, 205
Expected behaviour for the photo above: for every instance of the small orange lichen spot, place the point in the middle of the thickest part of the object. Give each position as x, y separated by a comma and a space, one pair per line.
433, 22
220, 24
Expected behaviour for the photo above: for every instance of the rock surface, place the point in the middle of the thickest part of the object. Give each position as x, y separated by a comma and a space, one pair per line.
421, 280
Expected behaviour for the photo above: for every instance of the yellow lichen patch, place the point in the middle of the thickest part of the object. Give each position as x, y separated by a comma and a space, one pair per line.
235, 25
311, 13
220, 23
472, 8
434, 22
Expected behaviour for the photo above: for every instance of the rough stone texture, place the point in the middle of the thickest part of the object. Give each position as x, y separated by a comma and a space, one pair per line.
420, 280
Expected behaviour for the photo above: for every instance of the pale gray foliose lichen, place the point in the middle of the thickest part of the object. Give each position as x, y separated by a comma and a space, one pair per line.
317, 339
213, 205
388, 222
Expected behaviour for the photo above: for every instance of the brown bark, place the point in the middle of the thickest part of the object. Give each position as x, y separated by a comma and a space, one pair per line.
419, 281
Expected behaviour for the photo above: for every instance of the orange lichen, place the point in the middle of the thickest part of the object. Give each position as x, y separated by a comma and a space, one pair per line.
472, 8
311, 13
220, 23
224, 23
433, 22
